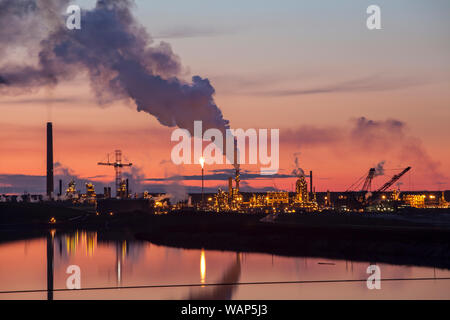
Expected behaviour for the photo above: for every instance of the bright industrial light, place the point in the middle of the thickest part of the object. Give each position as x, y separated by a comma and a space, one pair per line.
202, 161
202, 266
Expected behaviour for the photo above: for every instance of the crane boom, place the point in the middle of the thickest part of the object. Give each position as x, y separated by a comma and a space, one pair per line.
393, 180
368, 182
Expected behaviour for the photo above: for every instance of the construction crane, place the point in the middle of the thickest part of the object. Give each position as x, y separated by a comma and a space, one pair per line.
368, 182
393, 180
359, 197
118, 165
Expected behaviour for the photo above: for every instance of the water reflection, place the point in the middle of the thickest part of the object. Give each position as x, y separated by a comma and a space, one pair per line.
110, 260
121, 254
79, 240
202, 266
50, 246
222, 291
71, 245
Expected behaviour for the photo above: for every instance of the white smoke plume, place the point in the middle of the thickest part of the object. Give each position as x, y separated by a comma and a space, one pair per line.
135, 176
298, 171
379, 169
174, 188
116, 52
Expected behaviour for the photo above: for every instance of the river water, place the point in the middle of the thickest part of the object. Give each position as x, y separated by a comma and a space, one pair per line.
108, 268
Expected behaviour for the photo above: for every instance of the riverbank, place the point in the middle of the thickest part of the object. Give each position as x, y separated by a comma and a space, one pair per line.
348, 237
19, 221
419, 238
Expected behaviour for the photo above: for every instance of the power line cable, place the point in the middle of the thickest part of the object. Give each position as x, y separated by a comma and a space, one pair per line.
222, 284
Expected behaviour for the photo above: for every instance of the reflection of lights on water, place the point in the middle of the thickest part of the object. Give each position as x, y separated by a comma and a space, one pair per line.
87, 241
202, 161
202, 267
121, 252
124, 249
119, 272
91, 242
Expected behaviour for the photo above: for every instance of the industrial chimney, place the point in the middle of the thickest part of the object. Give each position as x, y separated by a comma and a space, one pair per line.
60, 188
50, 186
311, 184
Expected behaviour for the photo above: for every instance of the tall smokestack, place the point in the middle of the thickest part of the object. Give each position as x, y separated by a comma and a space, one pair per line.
237, 178
311, 183
50, 186
60, 188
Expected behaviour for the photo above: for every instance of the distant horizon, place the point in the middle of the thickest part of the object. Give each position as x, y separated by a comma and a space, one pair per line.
165, 188
344, 98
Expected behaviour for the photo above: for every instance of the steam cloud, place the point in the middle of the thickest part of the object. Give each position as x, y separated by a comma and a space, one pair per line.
135, 176
298, 171
20, 183
379, 169
175, 188
388, 137
115, 51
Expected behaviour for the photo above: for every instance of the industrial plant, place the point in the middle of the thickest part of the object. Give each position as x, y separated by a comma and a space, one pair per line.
359, 197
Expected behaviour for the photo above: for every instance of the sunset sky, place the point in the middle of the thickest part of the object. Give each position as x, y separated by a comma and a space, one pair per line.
344, 98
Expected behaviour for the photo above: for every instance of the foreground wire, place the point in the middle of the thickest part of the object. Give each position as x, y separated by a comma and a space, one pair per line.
221, 284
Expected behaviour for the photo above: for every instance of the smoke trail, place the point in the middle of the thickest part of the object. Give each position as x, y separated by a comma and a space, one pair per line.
298, 171
135, 176
174, 188
389, 137
66, 174
118, 55
379, 169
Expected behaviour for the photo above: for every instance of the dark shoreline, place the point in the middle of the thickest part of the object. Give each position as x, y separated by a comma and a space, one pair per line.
411, 238
401, 245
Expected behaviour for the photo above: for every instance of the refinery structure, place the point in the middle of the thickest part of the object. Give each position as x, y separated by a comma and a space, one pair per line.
359, 197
